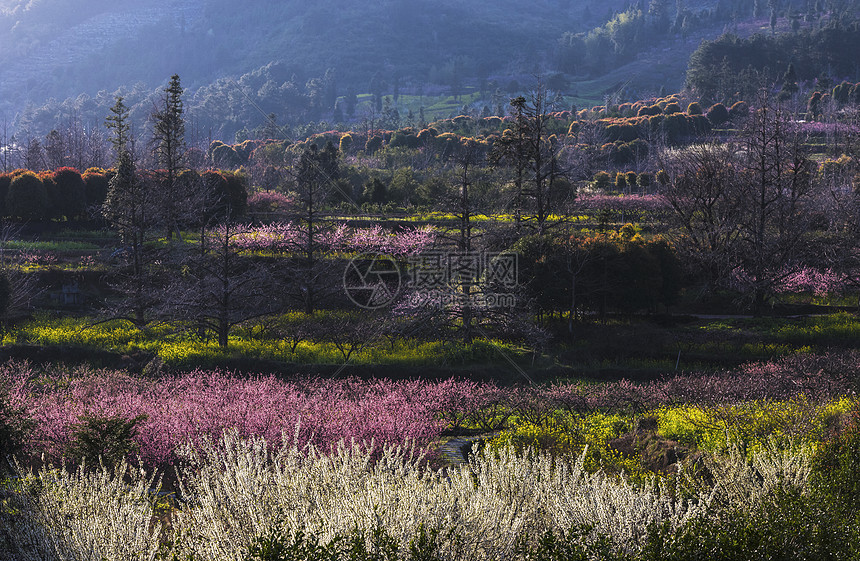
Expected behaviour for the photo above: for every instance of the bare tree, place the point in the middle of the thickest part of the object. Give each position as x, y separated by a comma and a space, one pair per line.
584, 157
466, 157
778, 189
33, 156
21, 288
316, 176
469, 290
351, 334
130, 206
838, 207
513, 150
541, 189
218, 288
75, 141
743, 210
702, 192
95, 149
6, 147
56, 151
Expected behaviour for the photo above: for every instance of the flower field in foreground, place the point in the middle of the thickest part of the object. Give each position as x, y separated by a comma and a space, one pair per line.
179, 409
172, 410
242, 501
267, 468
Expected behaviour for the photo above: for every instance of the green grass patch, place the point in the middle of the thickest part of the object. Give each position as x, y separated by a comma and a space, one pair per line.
566, 435
716, 428
179, 346
100, 235
617, 442
779, 336
60, 246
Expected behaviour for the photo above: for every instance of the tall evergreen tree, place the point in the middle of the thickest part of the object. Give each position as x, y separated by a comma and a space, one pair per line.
168, 141
117, 123
169, 128
129, 209
789, 80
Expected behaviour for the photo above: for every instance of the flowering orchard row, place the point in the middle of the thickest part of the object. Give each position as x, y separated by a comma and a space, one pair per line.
810, 280
288, 237
632, 202
188, 407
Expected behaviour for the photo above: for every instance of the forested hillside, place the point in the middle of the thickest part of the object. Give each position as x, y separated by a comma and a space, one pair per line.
731, 67
61, 48
302, 68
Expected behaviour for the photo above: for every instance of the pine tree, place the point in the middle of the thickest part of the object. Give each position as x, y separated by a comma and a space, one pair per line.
789, 80
169, 146
117, 123
129, 209
169, 128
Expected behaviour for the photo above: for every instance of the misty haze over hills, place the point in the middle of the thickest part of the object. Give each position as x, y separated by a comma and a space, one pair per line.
63, 60
57, 48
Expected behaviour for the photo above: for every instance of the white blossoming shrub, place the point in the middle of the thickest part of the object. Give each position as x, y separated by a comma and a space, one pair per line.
84, 515
241, 491
235, 491
744, 483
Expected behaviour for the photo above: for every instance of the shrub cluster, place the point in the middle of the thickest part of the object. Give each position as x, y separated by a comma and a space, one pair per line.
65, 192
288, 237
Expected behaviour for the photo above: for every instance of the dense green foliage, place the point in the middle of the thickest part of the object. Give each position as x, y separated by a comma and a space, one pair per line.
732, 68
15, 427
621, 272
27, 198
101, 438
837, 470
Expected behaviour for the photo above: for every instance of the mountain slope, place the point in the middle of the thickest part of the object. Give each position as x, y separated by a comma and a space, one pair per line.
61, 48
243, 61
